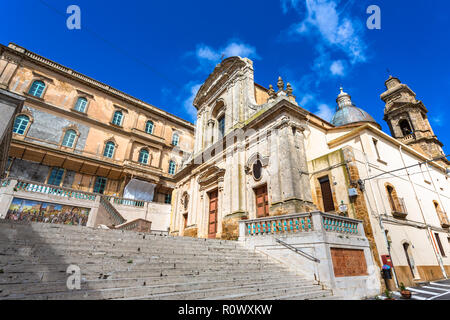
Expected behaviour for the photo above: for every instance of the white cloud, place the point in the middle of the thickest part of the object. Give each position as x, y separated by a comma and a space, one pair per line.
188, 102
337, 68
333, 32
438, 120
205, 52
325, 112
208, 57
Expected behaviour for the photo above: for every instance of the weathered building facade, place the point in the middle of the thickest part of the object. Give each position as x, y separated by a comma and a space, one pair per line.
259, 164
259, 155
78, 133
88, 130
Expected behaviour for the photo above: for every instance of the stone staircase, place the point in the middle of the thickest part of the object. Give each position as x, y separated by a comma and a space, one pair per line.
117, 264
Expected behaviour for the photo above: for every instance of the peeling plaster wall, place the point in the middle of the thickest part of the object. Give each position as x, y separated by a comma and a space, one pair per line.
50, 128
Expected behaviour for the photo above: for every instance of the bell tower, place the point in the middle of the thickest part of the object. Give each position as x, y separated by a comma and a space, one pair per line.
408, 121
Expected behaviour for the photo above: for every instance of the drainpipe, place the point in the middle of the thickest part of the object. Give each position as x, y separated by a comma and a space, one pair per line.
429, 233
366, 163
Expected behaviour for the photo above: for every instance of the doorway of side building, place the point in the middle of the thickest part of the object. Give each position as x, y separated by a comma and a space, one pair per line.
262, 201
327, 195
407, 250
212, 225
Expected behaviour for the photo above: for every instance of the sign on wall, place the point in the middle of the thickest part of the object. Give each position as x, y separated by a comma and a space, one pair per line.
348, 262
36, 211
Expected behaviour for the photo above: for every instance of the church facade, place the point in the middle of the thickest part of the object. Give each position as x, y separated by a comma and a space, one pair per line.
253, 154
259, 154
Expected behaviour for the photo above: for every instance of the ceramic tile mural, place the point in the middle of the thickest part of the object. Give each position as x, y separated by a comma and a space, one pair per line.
36, 211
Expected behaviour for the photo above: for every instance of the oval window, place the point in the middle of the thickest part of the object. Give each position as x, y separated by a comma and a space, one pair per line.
257, 170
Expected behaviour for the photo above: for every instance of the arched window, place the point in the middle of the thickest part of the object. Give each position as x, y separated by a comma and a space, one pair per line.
81, 104
405, 127
172, 167
149, 127
69, 138
118, 117
442, 215
397, 204
109, 149
37, 88
21, 124
175, 139
221, 122
143, 156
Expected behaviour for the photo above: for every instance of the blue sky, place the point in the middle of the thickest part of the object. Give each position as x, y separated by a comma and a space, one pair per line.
161, 51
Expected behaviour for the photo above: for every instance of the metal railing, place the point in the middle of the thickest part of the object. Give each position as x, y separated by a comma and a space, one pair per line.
298, 251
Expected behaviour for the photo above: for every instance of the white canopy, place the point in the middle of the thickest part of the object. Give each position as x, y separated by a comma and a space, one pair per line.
139, 190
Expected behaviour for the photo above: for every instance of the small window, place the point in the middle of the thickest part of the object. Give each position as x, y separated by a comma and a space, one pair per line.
222, 125
257, 170
172, 167
37, 88
149, 127
175, 139
109, 150
438, 240
117, 119
21, 124
81, 105
168, 198
69, 138
375, 143
100, 185
56, 176
143, 156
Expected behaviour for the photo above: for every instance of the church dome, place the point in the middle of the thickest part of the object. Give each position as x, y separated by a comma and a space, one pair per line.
348, 113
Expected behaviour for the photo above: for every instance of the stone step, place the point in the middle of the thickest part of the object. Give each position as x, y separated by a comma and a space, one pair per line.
140, 292
118, 264
151, 287
274, 294
248, 292
134, 258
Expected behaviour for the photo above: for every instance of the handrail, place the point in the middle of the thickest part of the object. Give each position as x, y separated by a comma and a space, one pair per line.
298, 251
117, 217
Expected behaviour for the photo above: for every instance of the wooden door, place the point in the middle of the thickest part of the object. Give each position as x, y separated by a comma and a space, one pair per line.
262, 202
327, 196
212, 226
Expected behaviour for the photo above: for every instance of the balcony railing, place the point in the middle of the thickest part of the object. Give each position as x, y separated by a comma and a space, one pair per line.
4, 183
128, 202
443, 218
299, 223
399, 208
407, 138
34, 187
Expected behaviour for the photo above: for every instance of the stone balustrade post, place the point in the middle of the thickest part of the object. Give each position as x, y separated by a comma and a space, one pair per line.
242, 230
